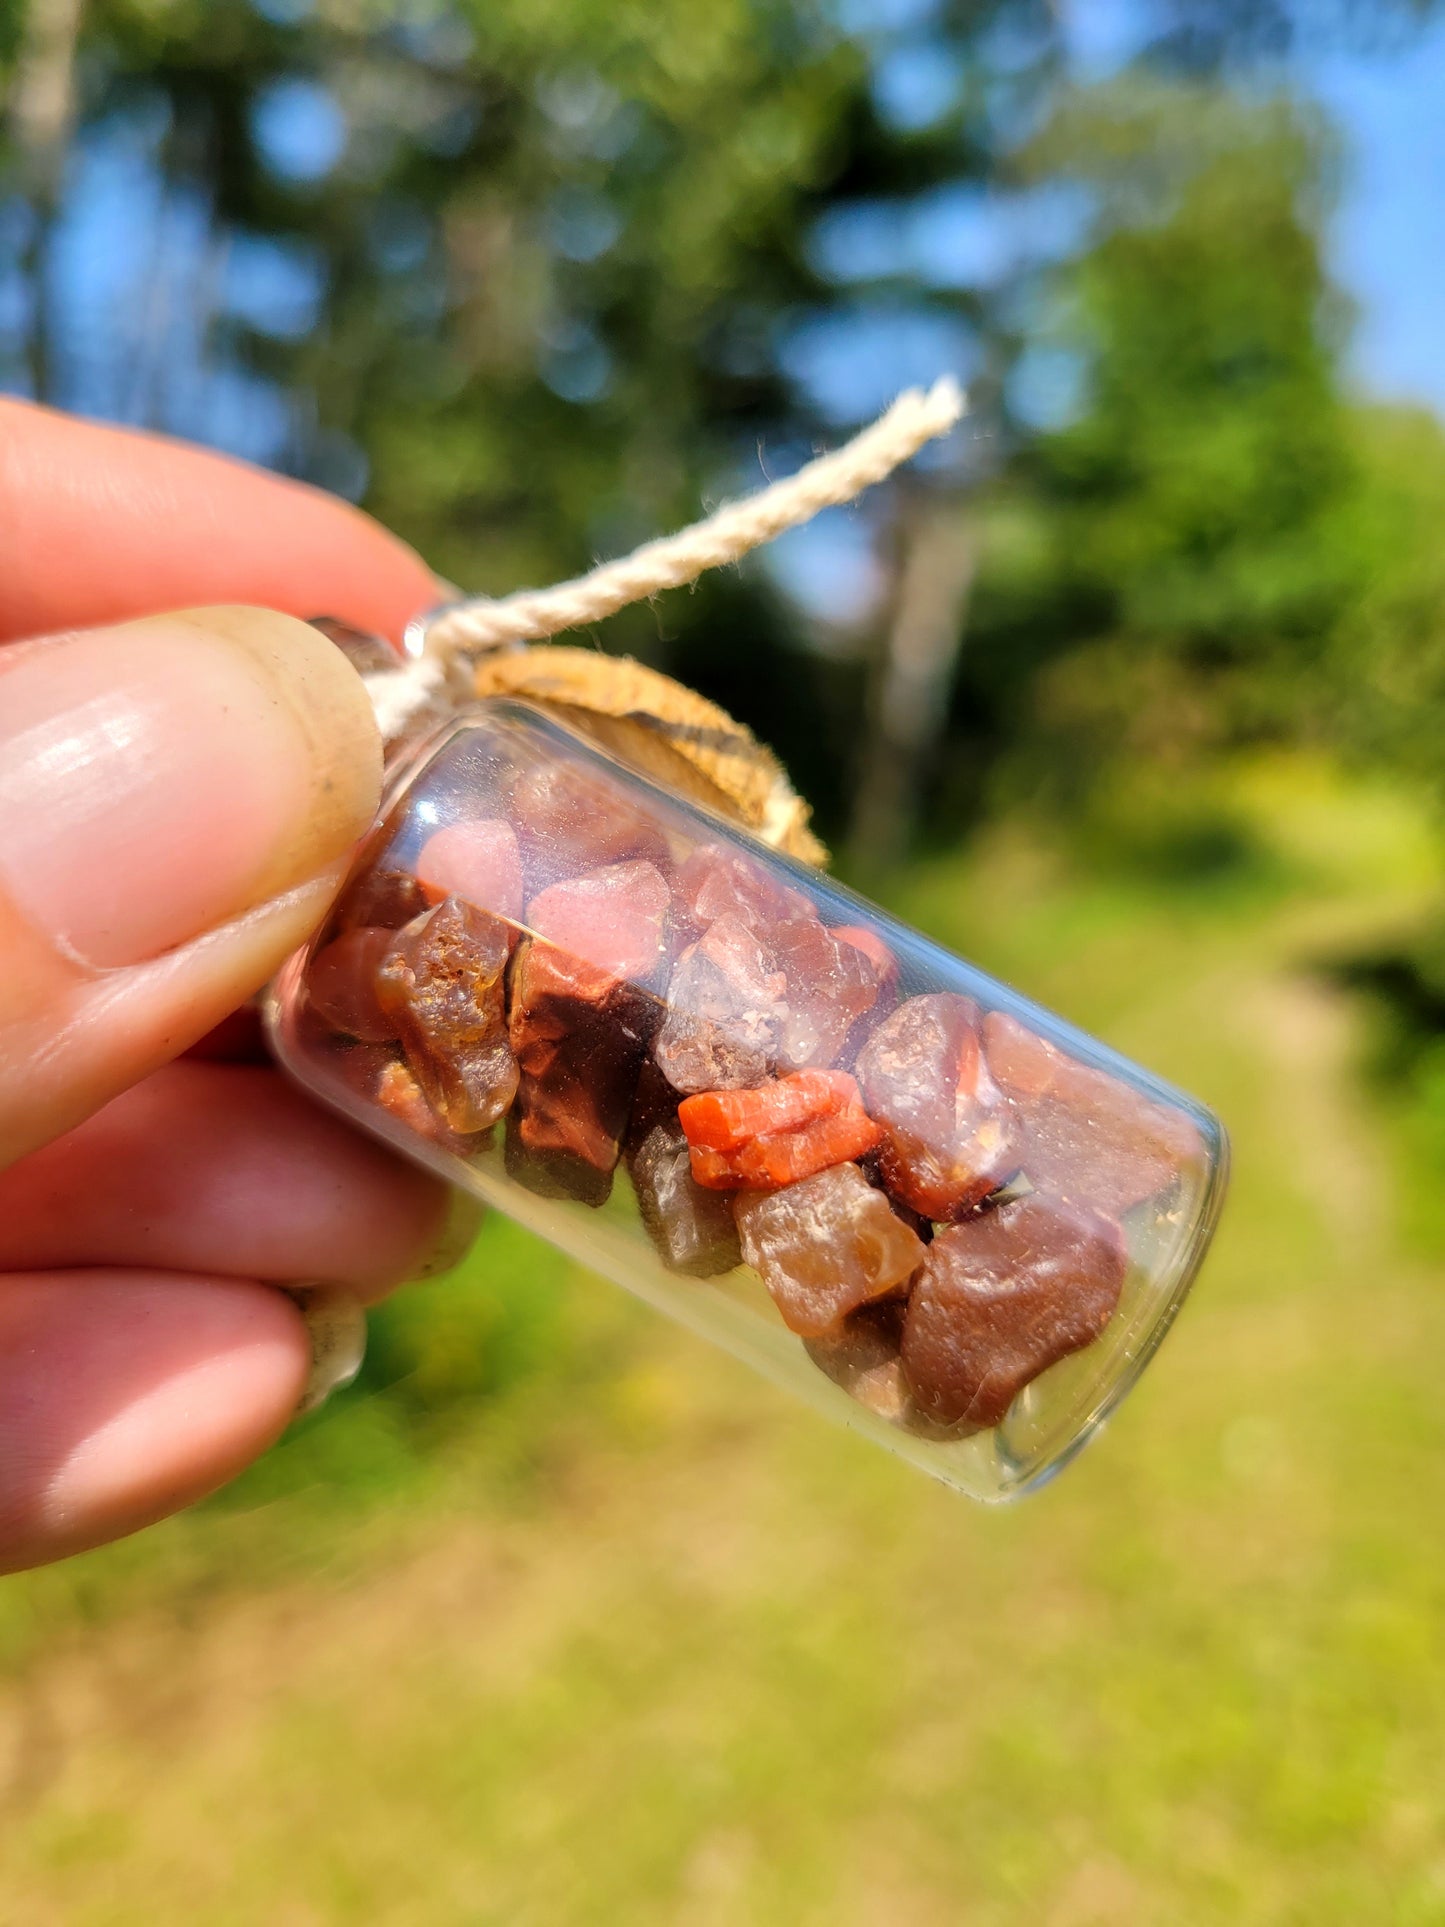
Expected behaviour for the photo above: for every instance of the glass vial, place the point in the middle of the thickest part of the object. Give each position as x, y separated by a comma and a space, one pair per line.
753, 1099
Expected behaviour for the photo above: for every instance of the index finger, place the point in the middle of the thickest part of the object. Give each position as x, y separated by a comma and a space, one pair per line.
100, 524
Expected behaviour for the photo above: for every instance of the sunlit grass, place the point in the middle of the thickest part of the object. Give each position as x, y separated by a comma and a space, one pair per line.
566, 1620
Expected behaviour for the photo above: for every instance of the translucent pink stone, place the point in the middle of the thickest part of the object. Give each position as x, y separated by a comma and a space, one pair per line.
829, 984
718, 881
477, 860
615, 918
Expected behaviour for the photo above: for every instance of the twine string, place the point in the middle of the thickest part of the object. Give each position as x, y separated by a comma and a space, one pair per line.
441, 643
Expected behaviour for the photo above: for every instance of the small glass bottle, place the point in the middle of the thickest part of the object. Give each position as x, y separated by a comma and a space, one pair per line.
753, 1099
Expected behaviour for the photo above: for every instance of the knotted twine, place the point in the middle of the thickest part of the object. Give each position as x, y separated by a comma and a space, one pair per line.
479, 647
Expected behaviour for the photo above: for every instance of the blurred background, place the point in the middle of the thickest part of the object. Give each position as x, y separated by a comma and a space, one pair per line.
1132, 691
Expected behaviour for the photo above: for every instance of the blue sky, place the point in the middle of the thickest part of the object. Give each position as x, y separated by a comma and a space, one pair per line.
1388, 240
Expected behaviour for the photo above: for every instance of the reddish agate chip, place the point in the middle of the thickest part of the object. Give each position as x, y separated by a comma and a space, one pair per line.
718, 881
1081, 1135
783, 1131
948, 1130
829, 984
999, 1299
341, 984
824, 1246
477, 860
614, 918
441, 985
725, 1012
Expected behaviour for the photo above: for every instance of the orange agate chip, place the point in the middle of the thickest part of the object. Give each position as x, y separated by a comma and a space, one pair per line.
778, 1133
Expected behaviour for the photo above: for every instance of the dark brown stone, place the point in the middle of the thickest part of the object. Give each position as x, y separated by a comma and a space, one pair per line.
692, 1229
580, 1036
654, 1102
1002, 1297
554, 1174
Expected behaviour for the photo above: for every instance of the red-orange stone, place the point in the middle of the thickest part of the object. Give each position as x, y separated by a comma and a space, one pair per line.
778, 1133
824, 1246
948, 1128
1000, 1298
727, 1120
1081, 1135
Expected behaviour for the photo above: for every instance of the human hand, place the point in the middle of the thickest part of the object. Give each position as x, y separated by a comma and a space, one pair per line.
179, 795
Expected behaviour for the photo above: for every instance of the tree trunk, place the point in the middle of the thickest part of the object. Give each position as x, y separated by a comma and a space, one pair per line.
909, 704
41, 111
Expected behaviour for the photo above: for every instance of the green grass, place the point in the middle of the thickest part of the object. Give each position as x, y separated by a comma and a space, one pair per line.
564, 1620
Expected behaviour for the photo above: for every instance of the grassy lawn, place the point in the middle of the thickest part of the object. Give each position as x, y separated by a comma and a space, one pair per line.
562, 1621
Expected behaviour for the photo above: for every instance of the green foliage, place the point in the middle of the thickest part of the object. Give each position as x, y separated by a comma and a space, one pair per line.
1219, 547
1165, 555
1388, 651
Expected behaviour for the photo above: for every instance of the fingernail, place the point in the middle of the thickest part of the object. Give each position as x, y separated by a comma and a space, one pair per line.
336, 1326
162, 777
458, 1234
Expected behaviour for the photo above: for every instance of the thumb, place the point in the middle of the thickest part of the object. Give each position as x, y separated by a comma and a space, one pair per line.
178, 797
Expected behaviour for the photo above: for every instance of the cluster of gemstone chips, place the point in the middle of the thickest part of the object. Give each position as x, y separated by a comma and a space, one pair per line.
935, 1197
